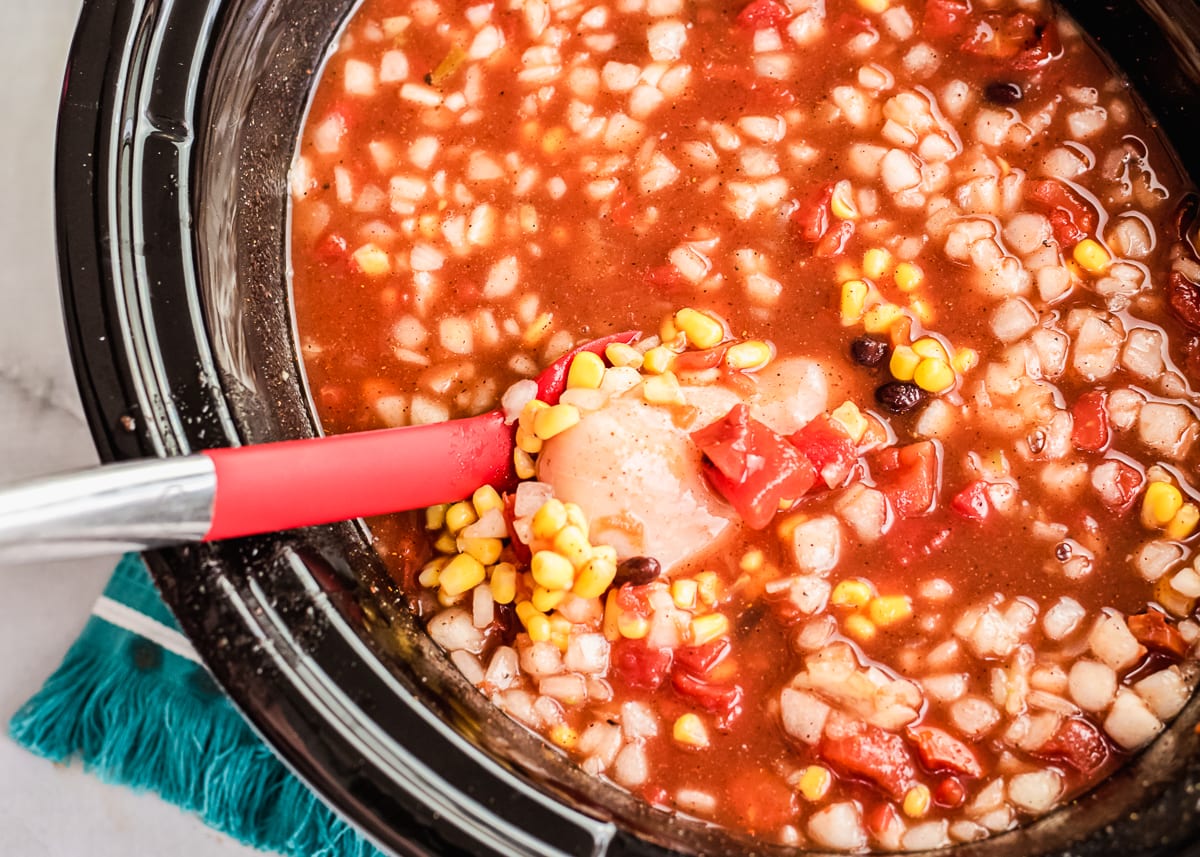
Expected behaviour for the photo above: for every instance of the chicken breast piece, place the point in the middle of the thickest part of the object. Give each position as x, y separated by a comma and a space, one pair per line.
637, 477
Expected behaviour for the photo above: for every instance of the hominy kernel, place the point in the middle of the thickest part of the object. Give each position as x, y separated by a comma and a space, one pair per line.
815, 782
690, 731
875, 7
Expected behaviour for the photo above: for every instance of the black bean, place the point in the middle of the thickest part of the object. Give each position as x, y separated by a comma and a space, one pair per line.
899, 397
868, 351
1003, 92
638, 571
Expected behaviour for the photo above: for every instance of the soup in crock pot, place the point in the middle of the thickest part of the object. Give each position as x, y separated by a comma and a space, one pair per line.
881, 535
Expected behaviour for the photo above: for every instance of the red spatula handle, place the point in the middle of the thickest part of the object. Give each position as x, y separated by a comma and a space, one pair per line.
298, 483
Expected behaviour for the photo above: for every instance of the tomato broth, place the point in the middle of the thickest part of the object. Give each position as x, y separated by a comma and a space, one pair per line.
882, 533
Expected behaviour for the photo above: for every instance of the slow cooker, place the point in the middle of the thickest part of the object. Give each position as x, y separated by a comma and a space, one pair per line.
176, 131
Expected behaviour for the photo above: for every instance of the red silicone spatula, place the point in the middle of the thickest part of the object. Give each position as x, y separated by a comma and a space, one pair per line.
241, 491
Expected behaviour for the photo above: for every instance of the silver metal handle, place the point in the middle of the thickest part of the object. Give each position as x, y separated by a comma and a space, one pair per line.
134, 505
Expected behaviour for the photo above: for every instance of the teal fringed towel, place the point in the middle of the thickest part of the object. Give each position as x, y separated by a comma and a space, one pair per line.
132, 701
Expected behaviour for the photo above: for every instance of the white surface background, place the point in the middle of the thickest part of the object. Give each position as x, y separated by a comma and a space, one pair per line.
48, 810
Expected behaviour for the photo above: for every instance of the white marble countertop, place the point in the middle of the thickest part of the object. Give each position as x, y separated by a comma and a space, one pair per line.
49, 810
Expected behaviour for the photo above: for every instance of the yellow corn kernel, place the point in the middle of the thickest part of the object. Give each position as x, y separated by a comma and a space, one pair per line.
612, 616
460, 515
662, 389
555, 420
596, 576
525, 612
446, 543
657, 360
927, 346
485, 499
487, 551
1172, 601
749, 355
461, 574
752, 560
446, 599
815, 782
552, 570
843, 271
504, 583
523, 464
605, 552
923, 310
690, 731
701, 329
875, 7
529, 414
859, 627
372, 260
554, 140
435, 517
546, 600
707, 627
917, 800
1091, 256
851, 419
841, 203
564, 736
854, 301
903, 363
889, 609
1160, 504
965, 359
908, 276
683, 593
431, 572
620, 354
527, 441
876, 262
549, 519
707, 587
934, 376
538, 330
538, 628
667, 331
881, 317
576, 518
1184, 522
632, 626
570, 542
851, 593
586, 372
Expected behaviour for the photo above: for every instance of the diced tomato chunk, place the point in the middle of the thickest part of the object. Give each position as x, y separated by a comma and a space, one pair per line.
639, 664
723, 700
332, 248
1079, 744
665, 278
941, 751
972, 502
1153, 632
1090, 414
909, 476
944, 18
1183, 297
760, 14
949, 793
1126, 484
699, 660
830, 449
833, 243
875, 755
1072, 218
813, 215
880, 817
752, 467
1019, 40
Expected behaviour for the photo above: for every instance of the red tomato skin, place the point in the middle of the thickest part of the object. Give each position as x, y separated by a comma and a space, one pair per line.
831, 451
875, 755
332, 248
949, 793
945, 18
813, 216
1072, 218
938, 750
699, 660
640, 665
1129, 483
1078, 744
752, 467
1152, 631
723, 700
972, 502
665, 279
1091, 432
761, 14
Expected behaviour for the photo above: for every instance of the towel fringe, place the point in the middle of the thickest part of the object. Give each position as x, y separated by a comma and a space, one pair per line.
134, 728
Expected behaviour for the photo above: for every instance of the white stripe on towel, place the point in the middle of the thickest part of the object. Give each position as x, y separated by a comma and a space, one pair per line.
124, 616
